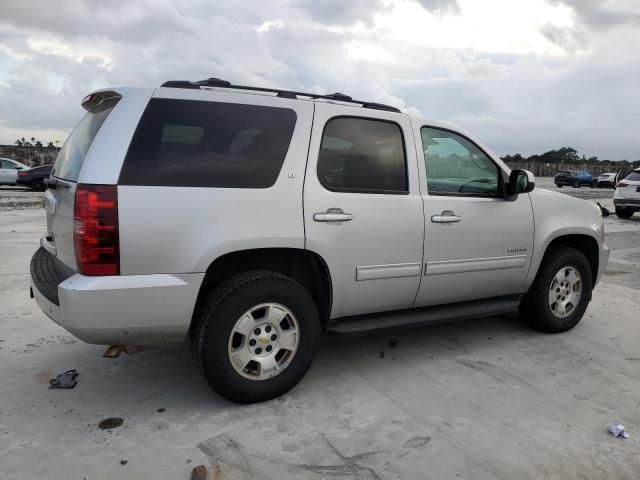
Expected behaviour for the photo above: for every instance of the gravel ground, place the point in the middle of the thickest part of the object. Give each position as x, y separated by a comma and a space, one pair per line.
19, 198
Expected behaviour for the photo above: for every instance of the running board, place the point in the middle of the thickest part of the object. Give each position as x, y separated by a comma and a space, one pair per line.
422, 316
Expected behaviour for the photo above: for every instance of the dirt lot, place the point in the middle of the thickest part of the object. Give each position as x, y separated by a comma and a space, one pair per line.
19, 198
481, 399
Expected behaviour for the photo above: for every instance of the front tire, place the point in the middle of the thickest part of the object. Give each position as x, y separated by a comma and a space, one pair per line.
624, 213
560, 293
576, 184
255, 336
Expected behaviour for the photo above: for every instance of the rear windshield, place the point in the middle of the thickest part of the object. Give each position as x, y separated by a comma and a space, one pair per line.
188, 143
564, 172
633, 177
73, 152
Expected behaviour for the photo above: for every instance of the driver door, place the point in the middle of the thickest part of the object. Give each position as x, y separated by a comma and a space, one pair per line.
477, 244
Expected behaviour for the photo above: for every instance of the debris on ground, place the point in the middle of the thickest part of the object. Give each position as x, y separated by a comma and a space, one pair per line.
110, 423
162, 410
393, 343
199, 473
64, 380
617, 430
381, 354
124, 462
605, 211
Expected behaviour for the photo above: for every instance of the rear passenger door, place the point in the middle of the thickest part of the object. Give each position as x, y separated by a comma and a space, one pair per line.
362, 207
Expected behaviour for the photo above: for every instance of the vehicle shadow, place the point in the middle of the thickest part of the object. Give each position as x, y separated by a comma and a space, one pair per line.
16, 188
139, 385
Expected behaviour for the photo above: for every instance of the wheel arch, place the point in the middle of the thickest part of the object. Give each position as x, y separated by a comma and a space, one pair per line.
584, 243
304, 266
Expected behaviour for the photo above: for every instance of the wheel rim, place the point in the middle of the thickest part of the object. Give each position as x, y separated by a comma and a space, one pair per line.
565, 292
264, 341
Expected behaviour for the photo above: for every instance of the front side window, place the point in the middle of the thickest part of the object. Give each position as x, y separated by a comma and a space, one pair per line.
362, 156
188, 143
456, 166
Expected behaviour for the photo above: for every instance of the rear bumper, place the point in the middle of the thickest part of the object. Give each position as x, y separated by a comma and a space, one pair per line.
628, 203
121, 310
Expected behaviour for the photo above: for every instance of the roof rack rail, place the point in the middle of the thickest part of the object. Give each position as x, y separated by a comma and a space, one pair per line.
216, 82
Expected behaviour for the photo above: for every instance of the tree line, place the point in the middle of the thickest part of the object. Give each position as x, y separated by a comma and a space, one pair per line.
566, 158
31, 151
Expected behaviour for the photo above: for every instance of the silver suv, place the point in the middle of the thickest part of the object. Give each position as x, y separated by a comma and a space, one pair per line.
250, 220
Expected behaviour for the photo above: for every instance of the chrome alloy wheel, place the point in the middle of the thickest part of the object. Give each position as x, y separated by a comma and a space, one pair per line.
263, 341
565, 292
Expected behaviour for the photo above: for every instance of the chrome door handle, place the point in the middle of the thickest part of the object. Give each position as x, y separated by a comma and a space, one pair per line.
446, 217
333, 215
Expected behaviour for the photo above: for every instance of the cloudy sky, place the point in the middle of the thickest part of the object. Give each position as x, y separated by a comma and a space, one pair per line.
525, 76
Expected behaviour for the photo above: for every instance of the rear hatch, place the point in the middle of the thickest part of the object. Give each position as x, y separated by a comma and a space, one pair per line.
59, 199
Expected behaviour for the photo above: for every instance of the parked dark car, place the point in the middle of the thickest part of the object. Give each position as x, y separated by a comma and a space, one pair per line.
34, 177
573, 178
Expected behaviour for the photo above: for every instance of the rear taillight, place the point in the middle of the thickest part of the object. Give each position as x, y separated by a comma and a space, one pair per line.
95, 230
622, 185
22, 174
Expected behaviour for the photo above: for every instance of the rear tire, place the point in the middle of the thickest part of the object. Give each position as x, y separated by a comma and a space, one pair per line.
560, 293
559, 185
37, 186
624, 213
576, 184
255, 366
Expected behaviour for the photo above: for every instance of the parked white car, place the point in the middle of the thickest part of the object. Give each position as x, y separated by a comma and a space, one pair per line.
9, 171
250, 220
606, 180
627, 195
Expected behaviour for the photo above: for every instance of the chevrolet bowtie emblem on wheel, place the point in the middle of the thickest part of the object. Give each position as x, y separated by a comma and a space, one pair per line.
264, 341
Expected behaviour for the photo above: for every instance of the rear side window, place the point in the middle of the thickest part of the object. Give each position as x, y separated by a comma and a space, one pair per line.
73, 152
363, 156
188, 143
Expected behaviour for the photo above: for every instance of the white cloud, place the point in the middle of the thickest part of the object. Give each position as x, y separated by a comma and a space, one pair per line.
526, 76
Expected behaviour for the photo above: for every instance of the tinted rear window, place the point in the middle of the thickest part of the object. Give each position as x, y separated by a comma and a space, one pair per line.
187, 143
73, 152
633, 177
362, 155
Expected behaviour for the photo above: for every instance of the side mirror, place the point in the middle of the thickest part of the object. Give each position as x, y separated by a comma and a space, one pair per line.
520, 181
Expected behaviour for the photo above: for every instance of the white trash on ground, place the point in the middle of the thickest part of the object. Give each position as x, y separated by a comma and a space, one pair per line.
617, 430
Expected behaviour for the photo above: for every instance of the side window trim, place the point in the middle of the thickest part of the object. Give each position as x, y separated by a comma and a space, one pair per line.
501, 173
370, 191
